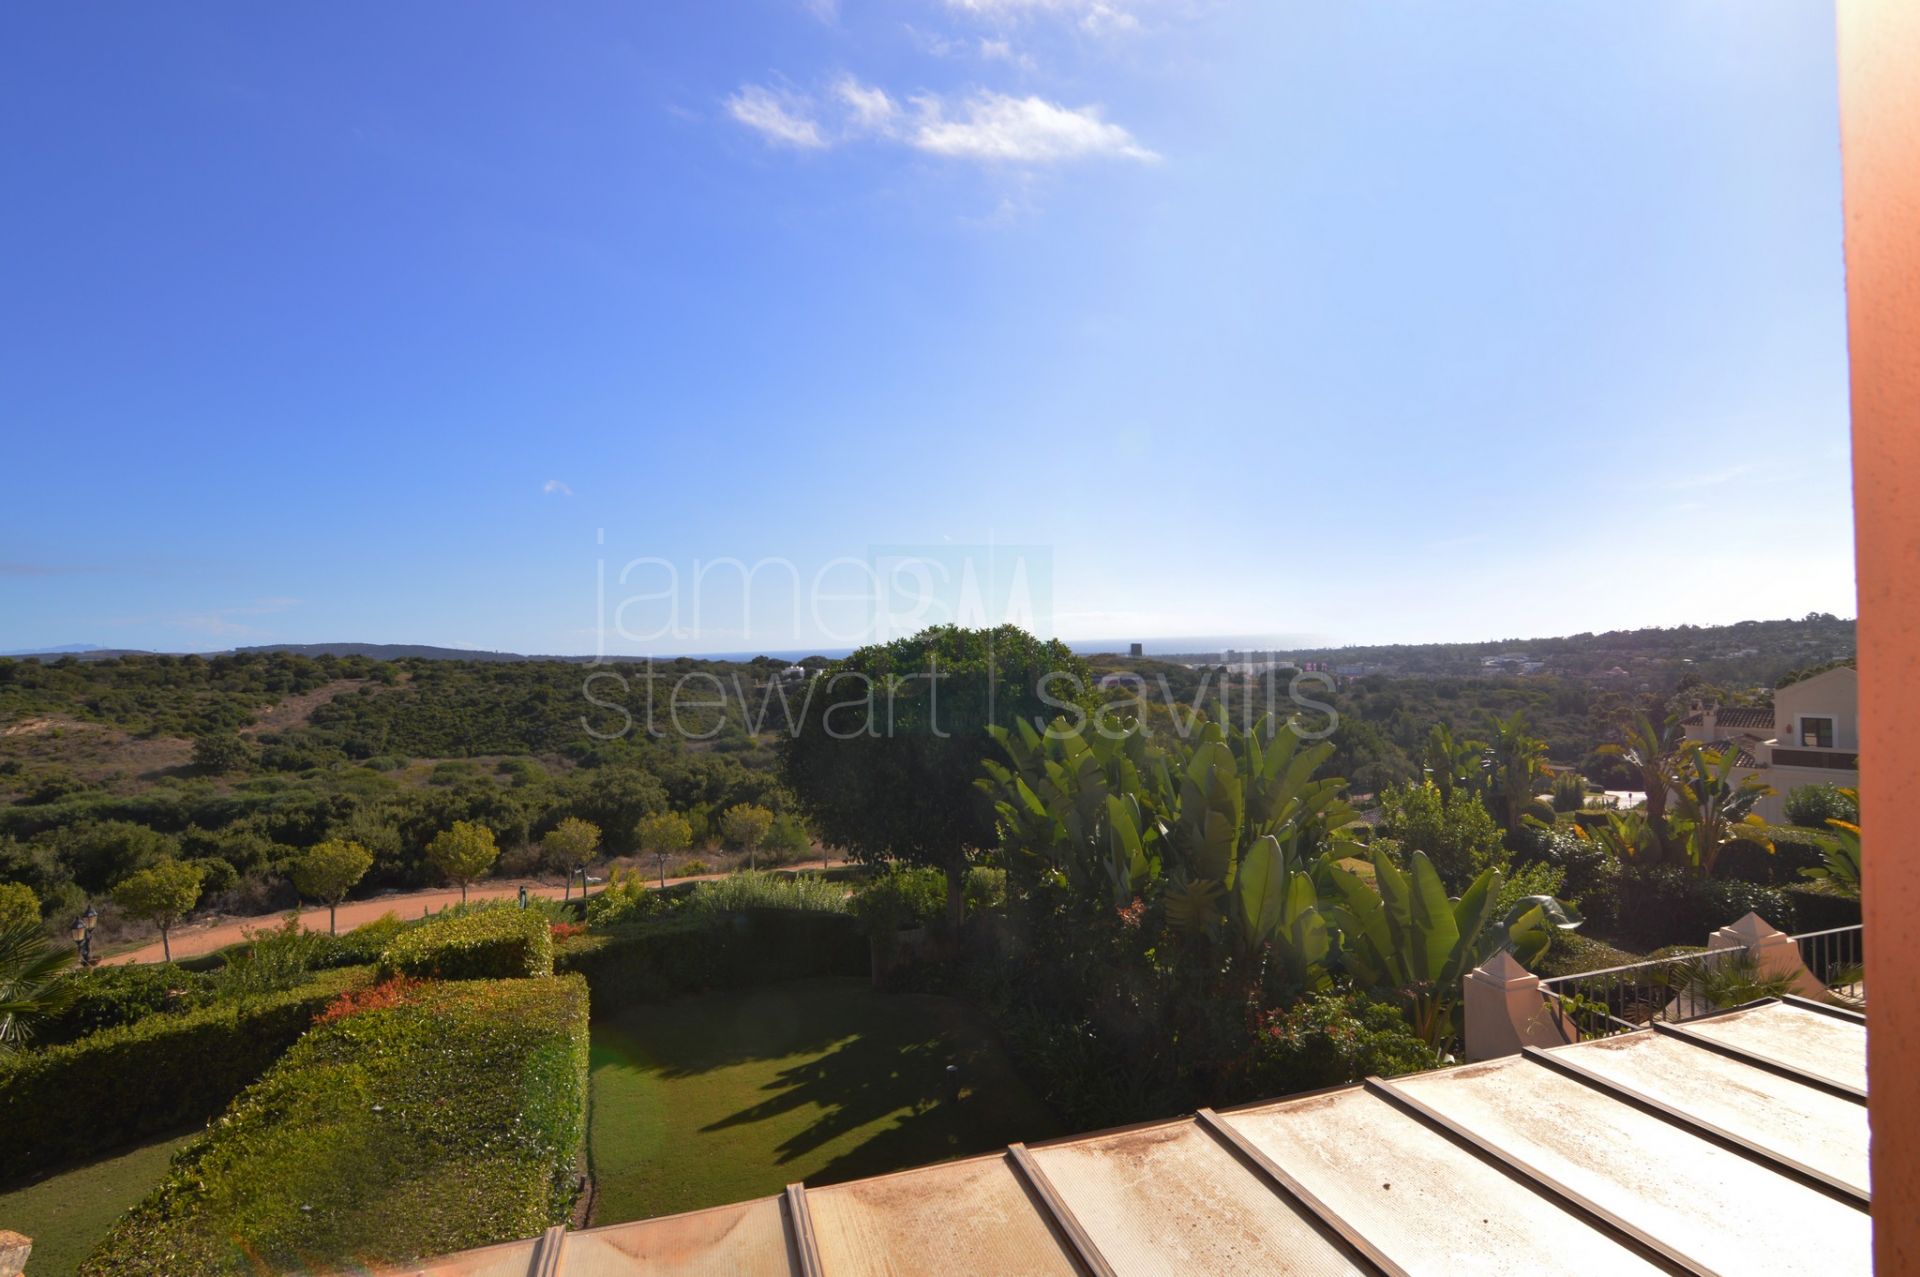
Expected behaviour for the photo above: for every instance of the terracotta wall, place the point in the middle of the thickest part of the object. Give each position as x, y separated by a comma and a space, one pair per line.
1880, 140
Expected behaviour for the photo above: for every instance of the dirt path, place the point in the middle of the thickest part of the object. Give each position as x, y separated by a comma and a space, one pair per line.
188, 941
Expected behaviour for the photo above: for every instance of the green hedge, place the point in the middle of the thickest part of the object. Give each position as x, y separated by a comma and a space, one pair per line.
497, 943
59, 1103
451, 1120
696, 950
1820, 908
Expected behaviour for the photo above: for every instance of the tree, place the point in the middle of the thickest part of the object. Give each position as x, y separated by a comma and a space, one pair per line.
329, 870
570, 845
463, 853
32, 983
18, 905
1652, 752
661, 834
885, 754
745, 825
1455, 832
221, 752
162, 894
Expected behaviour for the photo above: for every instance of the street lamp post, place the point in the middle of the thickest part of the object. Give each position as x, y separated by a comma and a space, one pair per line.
82, 935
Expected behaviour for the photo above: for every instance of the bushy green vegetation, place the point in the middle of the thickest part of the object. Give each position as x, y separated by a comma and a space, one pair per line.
58, 1103
493, 942
75, 821
451, 1118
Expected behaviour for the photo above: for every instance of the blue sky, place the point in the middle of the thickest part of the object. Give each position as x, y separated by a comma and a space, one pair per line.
1363, 321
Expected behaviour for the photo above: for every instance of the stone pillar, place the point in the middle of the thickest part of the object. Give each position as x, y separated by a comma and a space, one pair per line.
1777, 952
1506, 1010
14, 1250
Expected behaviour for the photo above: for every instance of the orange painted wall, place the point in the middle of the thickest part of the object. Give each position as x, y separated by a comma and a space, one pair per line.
1880, 143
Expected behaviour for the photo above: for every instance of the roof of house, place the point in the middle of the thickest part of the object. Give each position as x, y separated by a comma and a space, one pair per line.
1746, 718
1735, 1143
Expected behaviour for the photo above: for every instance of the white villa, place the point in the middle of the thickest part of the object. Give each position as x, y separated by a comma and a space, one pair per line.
1811, 736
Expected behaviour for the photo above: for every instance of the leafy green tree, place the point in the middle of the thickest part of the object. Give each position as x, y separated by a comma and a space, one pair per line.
570, 845
18, 905
100, 854
745, 825
32, 980
662, 834
463, 853
1455, 832
886, 751
220, 753
329, 870
162, 894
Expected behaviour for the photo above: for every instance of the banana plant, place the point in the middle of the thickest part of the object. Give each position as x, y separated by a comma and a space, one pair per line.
1081, 808
1404, 934
1840, 857
1711, 811
1277, 906
1225, 829
1628, 836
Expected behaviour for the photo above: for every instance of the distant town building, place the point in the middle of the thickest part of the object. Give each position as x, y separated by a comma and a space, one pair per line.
1137, 649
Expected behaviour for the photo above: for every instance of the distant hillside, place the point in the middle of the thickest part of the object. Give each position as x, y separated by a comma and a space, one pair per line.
1749, 654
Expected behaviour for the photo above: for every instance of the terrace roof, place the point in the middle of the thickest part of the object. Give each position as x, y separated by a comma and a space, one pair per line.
1736, 1143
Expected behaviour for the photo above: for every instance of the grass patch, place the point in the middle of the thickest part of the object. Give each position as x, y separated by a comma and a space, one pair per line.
67, 1214
727, 1096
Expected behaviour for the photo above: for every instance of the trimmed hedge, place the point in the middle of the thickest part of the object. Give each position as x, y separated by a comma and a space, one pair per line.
451, 1120
696, 950
65, 1102
495, 943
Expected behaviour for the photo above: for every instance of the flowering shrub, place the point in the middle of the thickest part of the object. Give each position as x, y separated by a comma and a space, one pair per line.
566, 930
387, 994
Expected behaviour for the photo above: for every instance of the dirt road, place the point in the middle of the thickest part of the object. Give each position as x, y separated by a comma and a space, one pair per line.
205, 937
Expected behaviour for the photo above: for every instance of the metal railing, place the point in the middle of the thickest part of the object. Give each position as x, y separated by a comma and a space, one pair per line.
1684, 987
1837, 958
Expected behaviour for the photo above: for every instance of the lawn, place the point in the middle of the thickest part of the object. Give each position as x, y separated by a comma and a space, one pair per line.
729, 1096
68, 1213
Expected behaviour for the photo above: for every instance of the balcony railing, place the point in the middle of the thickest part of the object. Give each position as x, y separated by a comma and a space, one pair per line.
1621, 999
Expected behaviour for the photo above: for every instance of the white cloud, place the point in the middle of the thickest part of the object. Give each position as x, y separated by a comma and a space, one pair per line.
1098, 16
553, 486
871, 108
762, 110
1003, 51
1029, 130
827, 11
